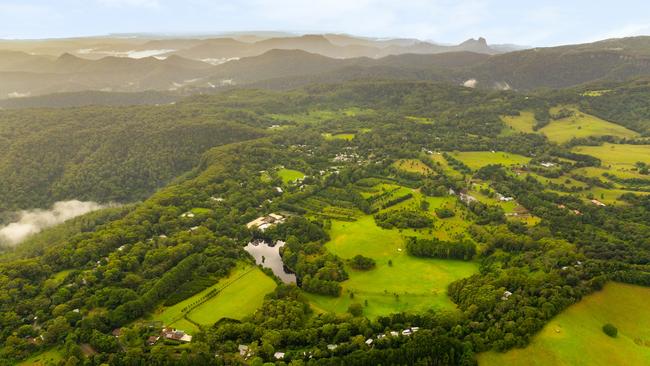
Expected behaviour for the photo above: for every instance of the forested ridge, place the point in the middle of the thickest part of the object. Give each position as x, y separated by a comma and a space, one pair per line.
383, 150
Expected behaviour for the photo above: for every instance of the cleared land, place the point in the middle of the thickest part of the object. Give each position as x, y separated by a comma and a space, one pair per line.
478, 159
410, 283
290, 175
524, 122
618, 157
581, 124
240, 294
575, 337
440, 161
51, 356
412, 166
339, 136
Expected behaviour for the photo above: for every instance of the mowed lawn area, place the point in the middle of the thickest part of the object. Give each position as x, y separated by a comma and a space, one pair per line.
478, 159
581, 124
290, 175
575, 337
241, 293
409, 284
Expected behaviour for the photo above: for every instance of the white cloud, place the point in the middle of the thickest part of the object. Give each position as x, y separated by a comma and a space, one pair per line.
33, 221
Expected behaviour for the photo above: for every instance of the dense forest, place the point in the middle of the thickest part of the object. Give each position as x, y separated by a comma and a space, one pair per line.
196, 173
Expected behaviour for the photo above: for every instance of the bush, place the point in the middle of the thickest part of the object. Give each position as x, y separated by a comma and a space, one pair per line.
362, 263
610, 330
355, 309
444, 213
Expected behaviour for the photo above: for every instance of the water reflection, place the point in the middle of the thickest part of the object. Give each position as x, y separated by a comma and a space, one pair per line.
269, 257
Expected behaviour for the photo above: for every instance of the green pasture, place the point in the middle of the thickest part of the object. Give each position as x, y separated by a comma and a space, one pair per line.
290, 175
412, 166
478, 159
241, 293
524, 122
407, 284
582, 125
575, 336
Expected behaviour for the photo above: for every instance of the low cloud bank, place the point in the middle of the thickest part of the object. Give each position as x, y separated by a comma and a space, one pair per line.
33, 221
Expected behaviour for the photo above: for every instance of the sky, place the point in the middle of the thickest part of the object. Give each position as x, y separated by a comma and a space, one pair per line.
530, 23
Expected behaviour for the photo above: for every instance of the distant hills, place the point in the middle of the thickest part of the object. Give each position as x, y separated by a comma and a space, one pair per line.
187, 65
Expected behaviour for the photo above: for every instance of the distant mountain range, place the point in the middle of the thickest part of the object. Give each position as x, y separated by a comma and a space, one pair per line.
189, 65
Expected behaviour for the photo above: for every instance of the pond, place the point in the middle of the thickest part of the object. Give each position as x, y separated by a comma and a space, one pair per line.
269, 257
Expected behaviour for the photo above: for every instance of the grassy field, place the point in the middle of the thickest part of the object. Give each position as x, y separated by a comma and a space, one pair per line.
289, 175
440, 160
575, 337
617, 157
479, 159
412, 166
60, 276
51, 356
410, 283
582, 125
242, 292
339, 136
524, 122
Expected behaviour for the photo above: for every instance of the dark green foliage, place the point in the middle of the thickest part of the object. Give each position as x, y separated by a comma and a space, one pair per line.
403, 219
360, 262
434, 248
610, 330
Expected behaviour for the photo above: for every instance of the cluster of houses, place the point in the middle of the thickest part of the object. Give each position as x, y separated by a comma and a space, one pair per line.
246, 353
503, 198
264, 222
575, 212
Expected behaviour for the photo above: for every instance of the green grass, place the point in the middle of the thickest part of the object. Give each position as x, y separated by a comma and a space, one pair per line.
412, 166
419, 283
447, 170
478, 159
620, 158
289, 175
242, 292
582, 125
339, 136
524, 122
48, 357
60, 276
575, 337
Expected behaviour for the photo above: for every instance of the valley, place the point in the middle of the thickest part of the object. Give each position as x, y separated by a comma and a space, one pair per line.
350, 202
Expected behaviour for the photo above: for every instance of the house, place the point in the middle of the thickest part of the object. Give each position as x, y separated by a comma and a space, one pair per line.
243, 350
176, 335
506, 295
415, 329
152, 340
406, 332
278, 355
394, 333
332, 347
264, 222
598, 203
369, 341
188, 215
217, 199
279, 190
547, 164
503, 198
